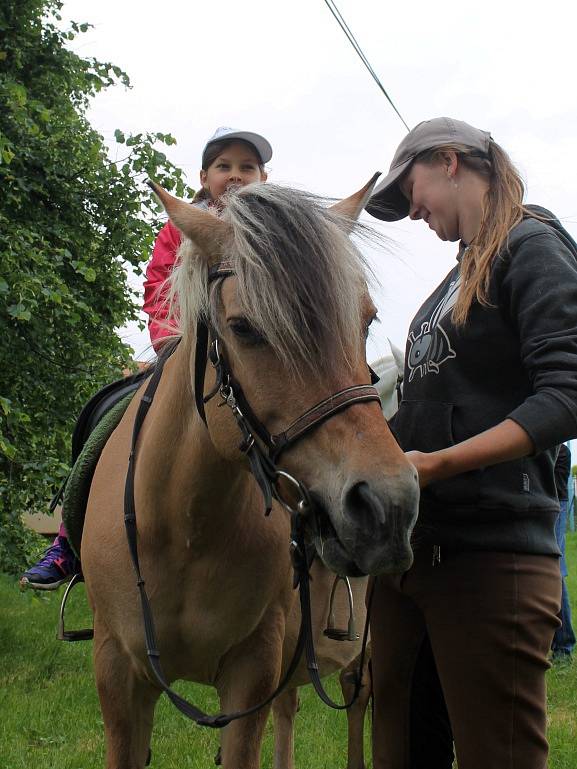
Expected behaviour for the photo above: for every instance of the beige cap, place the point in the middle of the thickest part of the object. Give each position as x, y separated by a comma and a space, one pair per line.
387, 201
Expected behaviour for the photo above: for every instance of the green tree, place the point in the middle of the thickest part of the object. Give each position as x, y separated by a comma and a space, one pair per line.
70, 220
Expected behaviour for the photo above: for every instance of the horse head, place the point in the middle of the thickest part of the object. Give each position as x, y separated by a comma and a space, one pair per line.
283, 289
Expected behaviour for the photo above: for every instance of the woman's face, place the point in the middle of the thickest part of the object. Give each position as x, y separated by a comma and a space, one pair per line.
236, 166
433, 196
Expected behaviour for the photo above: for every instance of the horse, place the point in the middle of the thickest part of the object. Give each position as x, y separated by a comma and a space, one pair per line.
283, 292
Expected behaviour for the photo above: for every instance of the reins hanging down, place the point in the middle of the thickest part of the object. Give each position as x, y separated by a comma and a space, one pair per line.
267, 475
219, 720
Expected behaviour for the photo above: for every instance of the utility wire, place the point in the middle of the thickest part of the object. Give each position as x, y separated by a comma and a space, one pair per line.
352, 40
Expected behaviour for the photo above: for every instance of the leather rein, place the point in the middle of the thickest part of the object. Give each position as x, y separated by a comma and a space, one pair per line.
268, 476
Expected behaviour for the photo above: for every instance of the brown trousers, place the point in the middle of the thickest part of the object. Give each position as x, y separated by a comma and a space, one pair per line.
488, 619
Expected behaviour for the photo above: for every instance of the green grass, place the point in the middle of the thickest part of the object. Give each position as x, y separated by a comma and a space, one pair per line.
50, 718
562, 687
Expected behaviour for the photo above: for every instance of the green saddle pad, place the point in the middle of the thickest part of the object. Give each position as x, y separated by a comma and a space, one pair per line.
80, 479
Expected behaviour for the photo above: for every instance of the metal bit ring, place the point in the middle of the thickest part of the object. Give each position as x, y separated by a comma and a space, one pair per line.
302, 506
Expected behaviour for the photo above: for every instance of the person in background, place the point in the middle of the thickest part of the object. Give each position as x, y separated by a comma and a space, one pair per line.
489, 393
231, 158
564, 638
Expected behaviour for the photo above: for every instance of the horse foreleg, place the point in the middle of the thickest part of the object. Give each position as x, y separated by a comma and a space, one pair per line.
284, 709
356, 713
127, 705
248, 677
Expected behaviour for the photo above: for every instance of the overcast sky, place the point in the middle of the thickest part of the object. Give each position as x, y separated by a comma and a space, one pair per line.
285, 69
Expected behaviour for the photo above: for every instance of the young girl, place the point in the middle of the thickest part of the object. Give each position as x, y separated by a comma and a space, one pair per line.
490, 391
231, 158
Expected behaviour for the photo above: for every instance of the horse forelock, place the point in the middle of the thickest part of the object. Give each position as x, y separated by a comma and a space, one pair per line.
300, 279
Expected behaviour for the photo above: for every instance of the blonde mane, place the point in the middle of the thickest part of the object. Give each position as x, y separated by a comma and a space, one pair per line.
300, 278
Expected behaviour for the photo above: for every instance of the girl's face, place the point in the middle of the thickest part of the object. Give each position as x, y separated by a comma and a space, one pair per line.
236, 166
433, 196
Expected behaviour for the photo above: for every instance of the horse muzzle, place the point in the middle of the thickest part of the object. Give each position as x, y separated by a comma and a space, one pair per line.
369, 531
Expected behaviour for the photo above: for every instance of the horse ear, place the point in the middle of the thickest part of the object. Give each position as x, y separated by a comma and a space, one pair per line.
206, 230
352, 206
398, 355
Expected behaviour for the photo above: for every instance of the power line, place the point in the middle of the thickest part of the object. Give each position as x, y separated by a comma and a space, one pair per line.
352, 40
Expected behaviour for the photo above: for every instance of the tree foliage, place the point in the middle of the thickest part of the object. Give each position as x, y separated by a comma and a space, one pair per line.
70, 220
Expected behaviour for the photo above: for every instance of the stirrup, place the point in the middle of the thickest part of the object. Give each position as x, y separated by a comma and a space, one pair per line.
341, 634
72, 635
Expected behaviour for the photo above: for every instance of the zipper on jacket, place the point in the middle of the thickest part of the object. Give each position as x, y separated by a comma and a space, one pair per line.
436, 555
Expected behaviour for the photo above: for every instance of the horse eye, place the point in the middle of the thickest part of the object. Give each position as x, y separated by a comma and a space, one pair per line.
243, 330
374, 319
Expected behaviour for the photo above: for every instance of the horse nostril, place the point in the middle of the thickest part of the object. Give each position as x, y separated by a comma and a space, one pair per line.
364, 505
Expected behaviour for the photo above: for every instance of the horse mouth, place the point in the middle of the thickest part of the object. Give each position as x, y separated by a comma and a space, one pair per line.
359, 557
329, 547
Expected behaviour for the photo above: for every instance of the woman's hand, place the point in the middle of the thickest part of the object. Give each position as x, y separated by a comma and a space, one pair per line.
501, 443
428, 466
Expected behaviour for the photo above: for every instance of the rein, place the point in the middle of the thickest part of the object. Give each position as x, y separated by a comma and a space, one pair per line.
267, 475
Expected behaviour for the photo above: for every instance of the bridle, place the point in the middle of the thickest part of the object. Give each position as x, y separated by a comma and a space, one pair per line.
262, 450
263, 463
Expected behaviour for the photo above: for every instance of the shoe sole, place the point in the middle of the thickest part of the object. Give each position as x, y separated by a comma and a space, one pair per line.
26, 584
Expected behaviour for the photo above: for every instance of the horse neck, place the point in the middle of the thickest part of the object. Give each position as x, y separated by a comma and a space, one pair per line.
185, 475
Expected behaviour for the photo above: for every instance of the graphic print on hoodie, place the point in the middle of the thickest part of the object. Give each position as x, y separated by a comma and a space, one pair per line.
430, 348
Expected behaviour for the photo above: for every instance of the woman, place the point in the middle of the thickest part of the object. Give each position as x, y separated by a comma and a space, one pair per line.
490, 391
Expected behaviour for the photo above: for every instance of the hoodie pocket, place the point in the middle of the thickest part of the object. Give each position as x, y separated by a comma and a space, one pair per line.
428, 426
423, 425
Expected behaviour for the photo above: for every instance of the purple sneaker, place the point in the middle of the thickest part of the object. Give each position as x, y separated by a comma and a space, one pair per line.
57, 566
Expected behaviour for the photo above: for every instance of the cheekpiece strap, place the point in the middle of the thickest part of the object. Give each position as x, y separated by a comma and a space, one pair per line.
222, 269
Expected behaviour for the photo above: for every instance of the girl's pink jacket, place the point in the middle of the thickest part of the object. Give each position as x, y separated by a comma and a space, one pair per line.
157, 271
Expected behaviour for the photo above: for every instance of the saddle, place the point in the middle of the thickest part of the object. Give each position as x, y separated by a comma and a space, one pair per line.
100, 404
96, 423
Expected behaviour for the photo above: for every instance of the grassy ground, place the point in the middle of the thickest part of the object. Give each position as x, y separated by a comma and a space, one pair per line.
50, 717
562, 687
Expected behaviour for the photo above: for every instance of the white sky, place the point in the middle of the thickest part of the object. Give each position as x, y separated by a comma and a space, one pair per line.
285, 69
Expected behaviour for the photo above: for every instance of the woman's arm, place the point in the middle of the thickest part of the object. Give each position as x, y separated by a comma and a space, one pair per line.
539, 294
502, 443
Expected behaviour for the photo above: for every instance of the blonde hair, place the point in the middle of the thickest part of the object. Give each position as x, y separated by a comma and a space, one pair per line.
300, 279
502, 209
